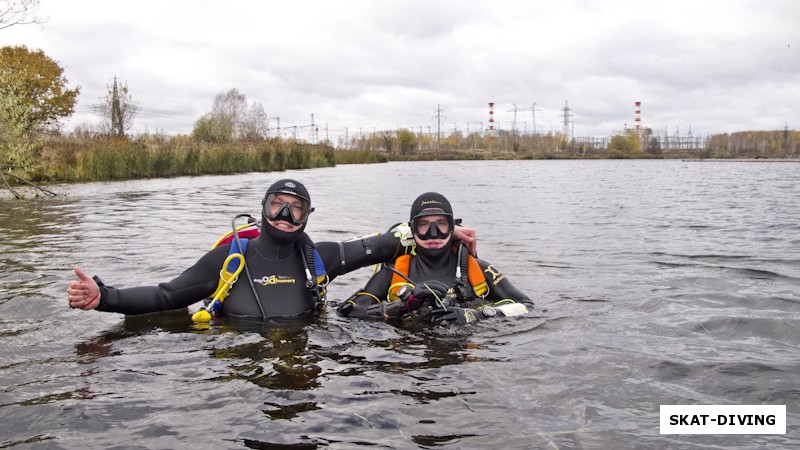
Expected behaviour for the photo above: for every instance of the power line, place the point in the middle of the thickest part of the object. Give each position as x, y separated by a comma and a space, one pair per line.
147, 112
153, 112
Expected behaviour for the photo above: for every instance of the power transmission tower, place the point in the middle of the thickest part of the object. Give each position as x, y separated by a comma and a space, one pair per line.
514, 123
439, 117
533, 114
278, 119
532, 109
117, 126
566, 120
118, 108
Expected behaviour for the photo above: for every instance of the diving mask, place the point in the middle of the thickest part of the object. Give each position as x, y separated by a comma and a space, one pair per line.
432, 224
287, 207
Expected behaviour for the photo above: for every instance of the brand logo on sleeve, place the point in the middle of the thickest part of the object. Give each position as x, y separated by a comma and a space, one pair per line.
496, 275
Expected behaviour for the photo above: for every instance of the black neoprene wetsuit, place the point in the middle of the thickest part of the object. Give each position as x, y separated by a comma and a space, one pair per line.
278, 276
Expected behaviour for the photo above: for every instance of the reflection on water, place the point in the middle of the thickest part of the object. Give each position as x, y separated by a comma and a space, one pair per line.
655, 283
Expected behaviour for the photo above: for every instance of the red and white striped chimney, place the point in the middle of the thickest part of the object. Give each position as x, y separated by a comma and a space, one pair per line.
491, 116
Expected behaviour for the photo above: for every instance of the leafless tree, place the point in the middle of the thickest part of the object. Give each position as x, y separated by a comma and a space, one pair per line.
231, 118
229, 108
19, 12
254, 123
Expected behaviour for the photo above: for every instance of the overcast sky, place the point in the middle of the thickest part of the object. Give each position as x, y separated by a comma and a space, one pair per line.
714, 66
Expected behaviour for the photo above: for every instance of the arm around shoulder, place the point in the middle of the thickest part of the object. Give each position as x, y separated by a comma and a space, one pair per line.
347, 256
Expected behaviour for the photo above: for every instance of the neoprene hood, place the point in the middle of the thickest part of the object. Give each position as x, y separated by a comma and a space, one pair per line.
430, 200
284, 186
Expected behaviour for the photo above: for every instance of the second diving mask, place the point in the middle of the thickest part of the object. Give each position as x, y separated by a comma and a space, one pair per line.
432, 229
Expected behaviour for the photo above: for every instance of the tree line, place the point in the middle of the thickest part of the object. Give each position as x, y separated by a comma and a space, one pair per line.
405, 144
35, 96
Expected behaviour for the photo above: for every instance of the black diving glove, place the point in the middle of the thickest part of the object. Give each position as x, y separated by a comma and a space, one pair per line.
410, 300
431, 290
396, 308
456, 315
393, 309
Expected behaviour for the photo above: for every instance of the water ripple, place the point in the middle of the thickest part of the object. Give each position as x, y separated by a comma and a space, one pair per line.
655, 282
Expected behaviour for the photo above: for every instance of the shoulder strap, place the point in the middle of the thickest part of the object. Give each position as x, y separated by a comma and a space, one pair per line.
319, 267
234, 264
468, 269
401, 264
476, 278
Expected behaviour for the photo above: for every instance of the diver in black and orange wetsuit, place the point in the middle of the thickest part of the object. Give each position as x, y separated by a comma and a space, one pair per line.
456, 286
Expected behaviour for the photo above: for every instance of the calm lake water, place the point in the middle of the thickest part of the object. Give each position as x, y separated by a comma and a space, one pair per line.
655, 282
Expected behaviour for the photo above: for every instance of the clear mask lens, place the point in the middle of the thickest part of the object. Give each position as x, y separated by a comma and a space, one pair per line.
427, 227
287, 208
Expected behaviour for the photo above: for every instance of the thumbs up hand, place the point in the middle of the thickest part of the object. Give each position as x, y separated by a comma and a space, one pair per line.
84, 293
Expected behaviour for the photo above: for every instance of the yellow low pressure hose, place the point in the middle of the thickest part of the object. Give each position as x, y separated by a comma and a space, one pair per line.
226, 280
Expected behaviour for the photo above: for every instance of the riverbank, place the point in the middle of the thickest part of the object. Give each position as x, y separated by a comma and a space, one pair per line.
90, 158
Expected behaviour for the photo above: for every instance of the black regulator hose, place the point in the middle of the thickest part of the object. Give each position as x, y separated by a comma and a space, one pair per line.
247, 271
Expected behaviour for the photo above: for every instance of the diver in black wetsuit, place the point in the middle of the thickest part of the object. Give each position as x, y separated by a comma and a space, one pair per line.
276, 284
456, 286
